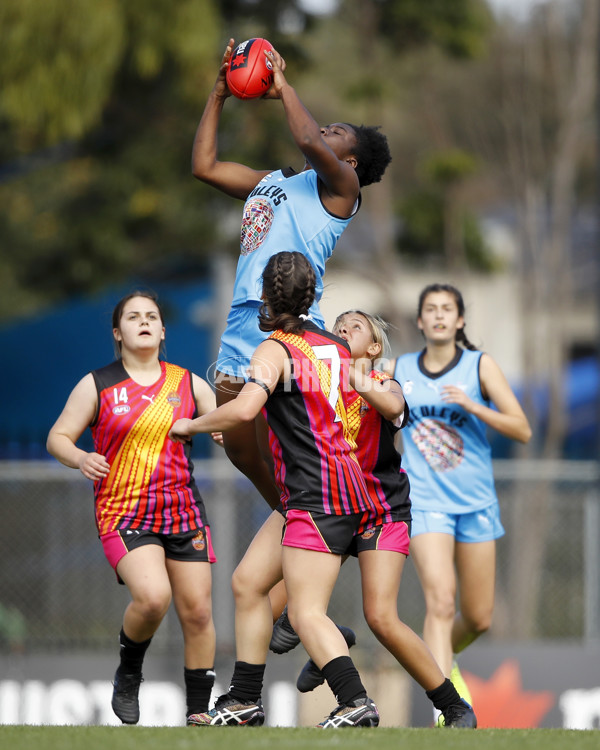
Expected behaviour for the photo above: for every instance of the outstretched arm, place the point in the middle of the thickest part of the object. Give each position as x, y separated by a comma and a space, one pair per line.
341, 187
267, 365
233, 179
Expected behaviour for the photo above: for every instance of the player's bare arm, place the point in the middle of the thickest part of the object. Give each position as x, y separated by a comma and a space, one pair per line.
509, 419
244, 408
236, 180
205, 402
386, 396
338, 176
204, 395
77, 414
267, 366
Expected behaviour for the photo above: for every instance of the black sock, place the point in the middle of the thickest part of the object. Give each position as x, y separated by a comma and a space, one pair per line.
247, 681
344, 680
443, 696
198, 686
132, 654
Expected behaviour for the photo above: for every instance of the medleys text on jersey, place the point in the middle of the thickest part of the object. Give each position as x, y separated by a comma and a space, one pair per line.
452, 416
276, 194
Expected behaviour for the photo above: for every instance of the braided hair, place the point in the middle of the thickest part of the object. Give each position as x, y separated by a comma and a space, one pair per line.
289, 283
461, 337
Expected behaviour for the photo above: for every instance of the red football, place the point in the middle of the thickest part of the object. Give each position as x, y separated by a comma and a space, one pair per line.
250, 74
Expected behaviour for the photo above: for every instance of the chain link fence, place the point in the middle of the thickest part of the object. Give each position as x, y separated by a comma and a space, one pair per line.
57, 591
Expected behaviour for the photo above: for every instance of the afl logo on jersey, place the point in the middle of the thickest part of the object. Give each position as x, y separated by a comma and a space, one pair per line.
121, 409
198, 542
174, 399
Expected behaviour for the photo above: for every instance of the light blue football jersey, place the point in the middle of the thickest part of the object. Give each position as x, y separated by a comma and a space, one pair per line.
445, 450
284, 213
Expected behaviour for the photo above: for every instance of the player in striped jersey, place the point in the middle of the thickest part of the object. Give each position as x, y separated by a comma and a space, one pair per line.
150, 516
383, 546
299, 378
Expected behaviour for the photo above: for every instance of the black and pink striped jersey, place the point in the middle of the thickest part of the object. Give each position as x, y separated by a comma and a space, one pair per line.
315, 464
150, 484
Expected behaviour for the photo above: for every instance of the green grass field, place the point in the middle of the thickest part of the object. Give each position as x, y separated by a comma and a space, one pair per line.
251, 738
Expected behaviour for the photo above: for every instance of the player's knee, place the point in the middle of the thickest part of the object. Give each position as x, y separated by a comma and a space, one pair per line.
441, 605
299, 619
237, 584
198, 616
380, 621
153, 607
478, 622
244, 583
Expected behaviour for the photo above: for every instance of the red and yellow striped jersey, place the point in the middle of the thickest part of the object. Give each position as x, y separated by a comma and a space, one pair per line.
150, 484
315, 465
386, 480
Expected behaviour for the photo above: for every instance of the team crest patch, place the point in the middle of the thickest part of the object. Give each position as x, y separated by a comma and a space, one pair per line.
174, 399
368, 534
256, 222
198, 542
440, 444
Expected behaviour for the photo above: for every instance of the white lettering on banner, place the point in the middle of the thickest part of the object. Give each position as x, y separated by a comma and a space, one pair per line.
282, 705
73, 702
101, 694
33, 697
580, 708
68, 703
162, 704
9, 702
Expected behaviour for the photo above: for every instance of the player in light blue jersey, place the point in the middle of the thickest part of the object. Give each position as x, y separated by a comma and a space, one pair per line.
284, 210
450, 387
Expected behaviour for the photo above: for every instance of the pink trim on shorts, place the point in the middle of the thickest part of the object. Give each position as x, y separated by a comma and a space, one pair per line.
393, 537
114, 547
212, 558
301, 531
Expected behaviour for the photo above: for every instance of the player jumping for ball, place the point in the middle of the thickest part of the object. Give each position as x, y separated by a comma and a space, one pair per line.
303, 211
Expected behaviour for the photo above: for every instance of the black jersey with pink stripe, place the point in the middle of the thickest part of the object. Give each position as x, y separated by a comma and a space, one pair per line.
315, 464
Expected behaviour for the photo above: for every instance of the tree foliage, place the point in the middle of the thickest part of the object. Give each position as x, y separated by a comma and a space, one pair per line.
57, 67
99, 100
459, 28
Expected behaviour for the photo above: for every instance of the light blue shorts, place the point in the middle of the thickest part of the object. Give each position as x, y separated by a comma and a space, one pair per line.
241, 337
481, 526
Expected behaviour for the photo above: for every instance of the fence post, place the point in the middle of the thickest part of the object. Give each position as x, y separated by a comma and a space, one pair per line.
591, 566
